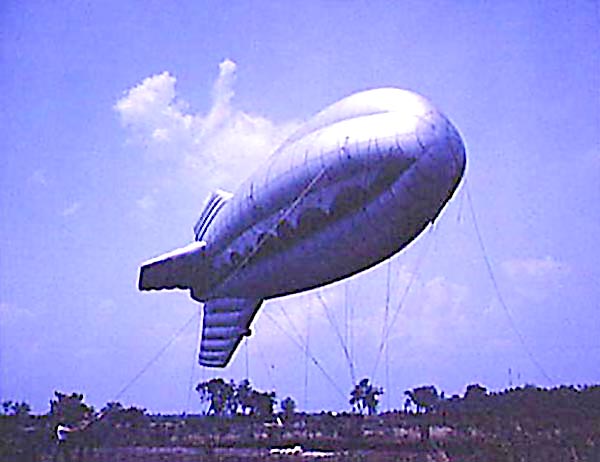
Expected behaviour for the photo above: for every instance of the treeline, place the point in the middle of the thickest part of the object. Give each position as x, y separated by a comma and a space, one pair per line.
228, 398
521, 423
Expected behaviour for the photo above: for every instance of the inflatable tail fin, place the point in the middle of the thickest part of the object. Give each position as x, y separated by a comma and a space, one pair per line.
179, 269
226, 322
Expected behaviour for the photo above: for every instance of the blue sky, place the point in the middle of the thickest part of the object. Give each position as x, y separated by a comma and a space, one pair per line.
118, 118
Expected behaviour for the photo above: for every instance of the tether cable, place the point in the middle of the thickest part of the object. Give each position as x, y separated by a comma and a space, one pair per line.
156, 357
385, 323
290, 322
307, 352
492, 276
340, 338
411, 281
193, 368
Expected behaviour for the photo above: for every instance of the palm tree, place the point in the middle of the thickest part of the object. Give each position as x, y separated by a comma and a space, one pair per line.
365, 396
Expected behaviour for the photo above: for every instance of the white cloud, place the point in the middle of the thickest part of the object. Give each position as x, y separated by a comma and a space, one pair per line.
156, 118
437, 314
222, 95
444, 307
424, 312
220, 147
538, 268
536, 278
152, 105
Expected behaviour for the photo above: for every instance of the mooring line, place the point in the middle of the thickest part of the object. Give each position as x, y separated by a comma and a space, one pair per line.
492, 276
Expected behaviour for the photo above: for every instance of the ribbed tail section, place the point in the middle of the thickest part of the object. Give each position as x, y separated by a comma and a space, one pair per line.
226, 322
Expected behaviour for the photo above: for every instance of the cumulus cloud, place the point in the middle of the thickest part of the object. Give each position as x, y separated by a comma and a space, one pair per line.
436, 312
156, 118
438, 317
536, 278
220, 146
420, 307
536, 268
151, 108
222, 95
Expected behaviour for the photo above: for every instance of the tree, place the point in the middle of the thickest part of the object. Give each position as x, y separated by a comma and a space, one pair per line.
228, 399
244, 396
407, 403
221, 396
262, 403
253, 402
424, 398
112, 410
15, 408
69, 409
288, 407
365, 396
475, 395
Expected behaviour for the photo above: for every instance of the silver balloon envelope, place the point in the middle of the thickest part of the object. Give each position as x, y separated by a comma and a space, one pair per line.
352, 187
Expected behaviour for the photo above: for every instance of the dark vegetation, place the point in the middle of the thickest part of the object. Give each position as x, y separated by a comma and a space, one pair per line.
240, 423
